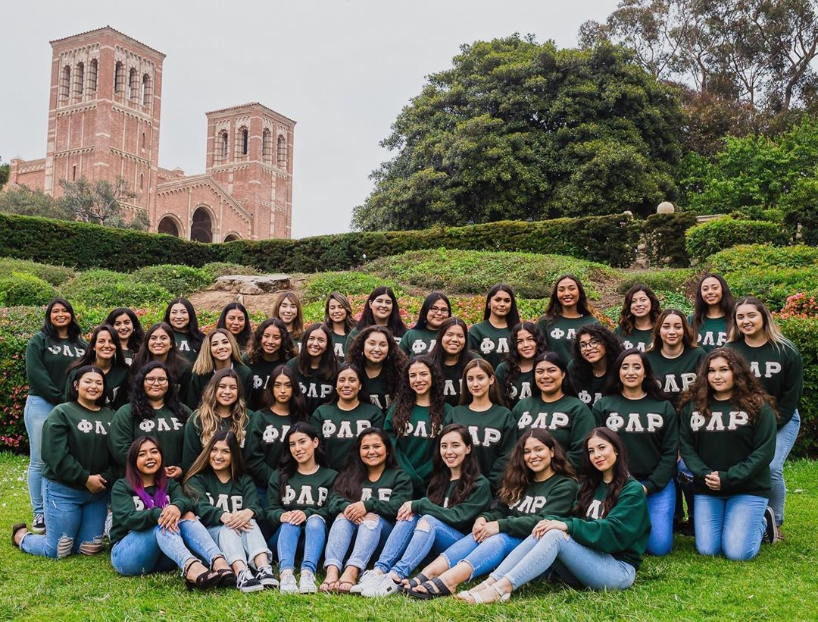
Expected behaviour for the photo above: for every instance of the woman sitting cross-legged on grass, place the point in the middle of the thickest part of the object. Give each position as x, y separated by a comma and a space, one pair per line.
600, 547
364, 500
538, 481
228, 505
457, 494
154, 528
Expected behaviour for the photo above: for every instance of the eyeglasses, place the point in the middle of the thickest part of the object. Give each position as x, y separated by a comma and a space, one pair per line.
591, 344
156, 380
438, 310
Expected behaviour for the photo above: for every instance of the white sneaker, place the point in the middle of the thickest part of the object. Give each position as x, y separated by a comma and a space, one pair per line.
369, 576
385, 587
288, 584
306, 585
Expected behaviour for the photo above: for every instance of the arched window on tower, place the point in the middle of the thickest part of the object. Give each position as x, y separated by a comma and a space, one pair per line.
134, 84
281, 151
267, 146
93, 72
65, 83
79, 78
223, 140
242, 142
146, 90
119, 80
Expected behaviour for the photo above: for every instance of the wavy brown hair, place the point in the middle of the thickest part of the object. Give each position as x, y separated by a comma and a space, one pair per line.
582, 372
518, 476
512, 359
207, 416
405, 397
726, 304
298, 320
592, 476
626, 320
441, 474
349, 321
205, 363
286, 350
495, 394
202, 462
689, 338
554, 309
350, 481
392, 365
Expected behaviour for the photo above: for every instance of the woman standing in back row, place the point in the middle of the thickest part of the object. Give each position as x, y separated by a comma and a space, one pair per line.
491, 336
567, 312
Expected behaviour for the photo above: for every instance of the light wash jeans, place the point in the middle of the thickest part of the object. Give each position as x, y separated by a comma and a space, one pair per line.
35, 413
481, 556
575, 564
784, 441
74, 522
287, 538
368, 536
241, 547
730, 526
159, 550
412, 540
661, 506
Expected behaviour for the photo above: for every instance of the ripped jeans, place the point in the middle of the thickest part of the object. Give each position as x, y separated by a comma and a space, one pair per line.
367, 536
74, 522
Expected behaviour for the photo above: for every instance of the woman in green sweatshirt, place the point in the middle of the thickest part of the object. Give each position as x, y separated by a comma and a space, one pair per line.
416, 418
315, 367
340, 422
128, 330
457, 494
492, 426
364, 501
451, 357
375, 353
490, 337
227, 504
712, 317
381, 309
338, 318
153, 528
270, 347
159, 345
568, 310
219, 351
538, 481
728, 437
515, 374
640, 310
552, 409
77, 475
778, 365
674, 355
181, 316
646, 422
48, 355
600, 546
104, 351
421, 338
297, 505
591, 369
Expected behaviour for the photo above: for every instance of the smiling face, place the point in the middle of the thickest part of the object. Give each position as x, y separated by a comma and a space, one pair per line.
348, 385
316, 344
568, 292
720, 377
381, 308
711, 291
372, 451
287, 311
179, 317
672, 330
234, 321
227, 391
156, 384
420, 378
548, 378
436, 314
376, 348
159, 342
478, 382
271, 340
632, 372
123, 327
302, 447
90, 386
749, 320
59, 316
453, 340
453, 450
220, 348
500, 304
220, 457
149, 459
602, 454
105, 346
336, 311
591, 348
537, 455
640, 305
526, 345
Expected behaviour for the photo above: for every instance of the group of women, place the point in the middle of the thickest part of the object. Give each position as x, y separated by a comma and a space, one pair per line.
512, 449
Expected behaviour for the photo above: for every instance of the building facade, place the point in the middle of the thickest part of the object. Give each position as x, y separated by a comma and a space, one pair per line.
104, 120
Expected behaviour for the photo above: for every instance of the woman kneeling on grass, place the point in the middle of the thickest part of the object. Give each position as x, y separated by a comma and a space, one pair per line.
600, 547
153, 525
538, 481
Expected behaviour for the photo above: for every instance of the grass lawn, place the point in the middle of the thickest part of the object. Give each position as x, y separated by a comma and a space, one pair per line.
780, 584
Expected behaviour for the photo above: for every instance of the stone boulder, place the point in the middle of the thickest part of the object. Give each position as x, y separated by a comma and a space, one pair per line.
252, 285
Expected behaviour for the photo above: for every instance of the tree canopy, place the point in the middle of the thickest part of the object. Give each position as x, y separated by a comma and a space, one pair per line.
521, 130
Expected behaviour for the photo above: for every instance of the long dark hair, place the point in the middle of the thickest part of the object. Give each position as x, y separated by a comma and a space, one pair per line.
726, 304
349, 483
405, 397
298, 405
394, 323
287, 349
518, 476
554, 309
195, 336
298, 320
202, 462
439, 355
135, 340
349, 321
289, 465
441, 474
627, 321
392, 365
554, 359
512, 359
73, 393
176, 363
328, 365
582, 372
141, 408
90, 356
689, 338
357, 371
592, 477
159, 498
244, 336
651, 385
74, 330
427, 304
513, 316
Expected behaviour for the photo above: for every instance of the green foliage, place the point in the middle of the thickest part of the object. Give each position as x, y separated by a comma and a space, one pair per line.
319, 286
674, 300
4, 174
803, 332
749, 256
24, 201
517, 130
220, 268
16, 328
773, 286
714, 235
677, 280
21, 289
664, 236
178, 280
56, 275
109, 289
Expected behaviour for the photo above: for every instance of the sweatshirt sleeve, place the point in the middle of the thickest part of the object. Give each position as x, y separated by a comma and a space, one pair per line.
498, 469
763, 452
619, 529
274, 509
209, 514
254, 458
498, 513
666, 467
583, 424
401, 493
177, 497
192, 446
560, 502
125, 513
337, 503
39, 382
462, 515
794, 378
120, 435
687, 445
56, 453
249, 495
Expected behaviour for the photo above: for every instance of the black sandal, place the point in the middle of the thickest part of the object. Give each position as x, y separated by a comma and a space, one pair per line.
227, 578
203, 581
419, 579
442, 590
14, 530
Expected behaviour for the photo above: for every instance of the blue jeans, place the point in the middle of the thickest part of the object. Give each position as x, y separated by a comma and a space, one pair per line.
575, 564
240, 547
661, 506
483, 556
784, 441
731, 526
683, 491
396, 543
286, 540
35, 413
417, 537
74, 522
368, 535
158, 550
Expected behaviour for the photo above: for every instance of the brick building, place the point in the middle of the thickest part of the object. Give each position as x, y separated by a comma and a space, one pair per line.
103, 122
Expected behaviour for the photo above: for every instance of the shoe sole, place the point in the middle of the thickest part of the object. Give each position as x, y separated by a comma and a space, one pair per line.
251, 589
37, 530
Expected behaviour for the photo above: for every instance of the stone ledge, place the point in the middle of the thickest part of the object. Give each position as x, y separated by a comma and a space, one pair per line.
252, 285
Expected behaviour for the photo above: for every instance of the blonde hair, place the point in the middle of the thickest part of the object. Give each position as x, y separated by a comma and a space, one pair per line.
207, 417
770, 329
204, 362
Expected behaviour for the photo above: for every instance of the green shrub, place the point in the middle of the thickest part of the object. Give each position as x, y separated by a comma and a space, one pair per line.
20, 289
804, 334
109, 289
56, 275
715, 235
674, 300
178, 280
748, 256
216, 269
664, 237
773, 286
671, 279
16, 328
319, 286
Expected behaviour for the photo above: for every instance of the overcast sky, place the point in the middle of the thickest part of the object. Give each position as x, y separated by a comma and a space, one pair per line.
342, 69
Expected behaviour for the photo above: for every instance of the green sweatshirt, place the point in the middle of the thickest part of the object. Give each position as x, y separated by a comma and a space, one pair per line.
47, 362
781, 372
129, 511
414, 449
165, 427
417, 342
623, 532
568, 419
677, 374
375, 388
258, 384
265, 444
462, 515
490, 342
213, 497
308, 493
593, 390
560, 333
453, 380
384, 496
552, 497
339, 429
639, 339
712, 332
185, 346
74, 445
193, 445
114, 384
493, 433
128, 355
727, 442
521, 388
198, 382
316, 391
339, 345
649, 429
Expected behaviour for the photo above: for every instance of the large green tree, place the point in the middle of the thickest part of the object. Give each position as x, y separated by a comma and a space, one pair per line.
519, 130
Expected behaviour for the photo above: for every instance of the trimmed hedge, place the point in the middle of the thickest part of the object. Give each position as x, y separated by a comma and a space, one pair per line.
750, 256
19, 288
664, 236
715, 235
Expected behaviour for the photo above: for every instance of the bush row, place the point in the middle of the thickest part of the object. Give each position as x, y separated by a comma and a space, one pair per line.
715, 235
